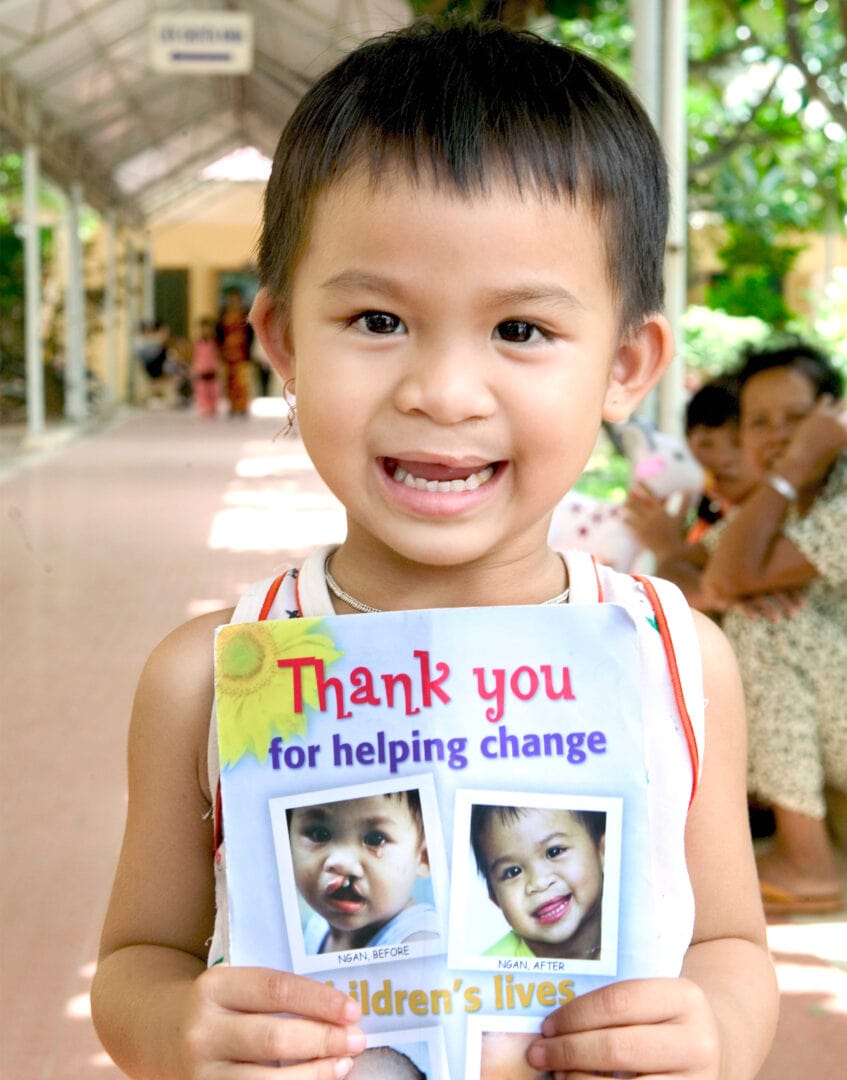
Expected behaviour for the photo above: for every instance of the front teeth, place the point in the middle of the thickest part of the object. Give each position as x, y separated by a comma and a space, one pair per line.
475, 480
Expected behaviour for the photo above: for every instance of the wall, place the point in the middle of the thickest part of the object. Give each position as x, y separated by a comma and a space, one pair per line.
220, 235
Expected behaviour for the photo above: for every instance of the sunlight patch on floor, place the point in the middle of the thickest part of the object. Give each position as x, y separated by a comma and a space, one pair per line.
295, 513
822, 936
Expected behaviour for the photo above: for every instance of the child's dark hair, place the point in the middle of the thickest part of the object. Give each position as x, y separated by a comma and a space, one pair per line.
593, 821
389, 1055
802, 357
714, 404
410, 796
465, 103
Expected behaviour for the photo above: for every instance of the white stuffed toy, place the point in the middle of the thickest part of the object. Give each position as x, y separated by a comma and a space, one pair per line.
660, 461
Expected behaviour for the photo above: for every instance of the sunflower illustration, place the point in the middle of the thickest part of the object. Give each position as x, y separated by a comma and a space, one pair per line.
254, 696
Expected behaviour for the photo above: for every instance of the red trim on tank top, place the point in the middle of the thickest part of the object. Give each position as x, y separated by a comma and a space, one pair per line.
676, 680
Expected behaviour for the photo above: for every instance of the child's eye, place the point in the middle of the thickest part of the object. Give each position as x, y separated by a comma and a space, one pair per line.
378, 322
318, 834
519, 331
375, 839
555, 851
509, 872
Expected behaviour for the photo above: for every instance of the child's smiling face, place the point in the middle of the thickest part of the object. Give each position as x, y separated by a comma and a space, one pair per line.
356, 862
453, 359
545, 873
718, 449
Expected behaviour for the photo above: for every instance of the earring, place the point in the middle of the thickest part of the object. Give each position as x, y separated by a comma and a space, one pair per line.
289, 397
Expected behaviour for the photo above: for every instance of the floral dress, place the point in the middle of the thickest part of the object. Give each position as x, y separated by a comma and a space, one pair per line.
795, 670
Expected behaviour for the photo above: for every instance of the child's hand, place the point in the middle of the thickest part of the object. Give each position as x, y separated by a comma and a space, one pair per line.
230, 1022
662, 532
641, 1027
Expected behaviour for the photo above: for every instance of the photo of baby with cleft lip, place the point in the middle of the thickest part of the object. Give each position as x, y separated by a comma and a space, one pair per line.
543, 868
356, 865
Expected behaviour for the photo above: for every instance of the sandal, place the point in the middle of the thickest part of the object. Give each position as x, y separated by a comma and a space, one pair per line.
779, 901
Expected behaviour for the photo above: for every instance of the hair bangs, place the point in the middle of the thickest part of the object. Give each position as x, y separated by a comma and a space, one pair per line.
467, 107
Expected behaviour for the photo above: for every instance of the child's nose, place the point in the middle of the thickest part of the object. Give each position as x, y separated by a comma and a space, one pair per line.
449, 384
343, 859
538, 878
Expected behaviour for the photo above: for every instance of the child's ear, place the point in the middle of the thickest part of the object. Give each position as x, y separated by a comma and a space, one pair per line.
641, 360
423, 862
271, 326
492, 896
601, 851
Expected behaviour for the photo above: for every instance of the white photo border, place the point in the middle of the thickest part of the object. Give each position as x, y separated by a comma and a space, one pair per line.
463, 871
303, 962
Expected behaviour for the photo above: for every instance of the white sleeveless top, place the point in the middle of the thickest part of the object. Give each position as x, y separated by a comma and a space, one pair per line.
672, 721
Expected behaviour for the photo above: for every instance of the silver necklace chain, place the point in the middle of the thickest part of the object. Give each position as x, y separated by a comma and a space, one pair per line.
366, 609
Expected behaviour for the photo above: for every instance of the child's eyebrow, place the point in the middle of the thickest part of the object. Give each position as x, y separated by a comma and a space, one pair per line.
378, 822
535, 293
513, 296
348, 280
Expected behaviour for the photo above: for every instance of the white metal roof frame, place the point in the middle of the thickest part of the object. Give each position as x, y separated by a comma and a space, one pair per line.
75, 80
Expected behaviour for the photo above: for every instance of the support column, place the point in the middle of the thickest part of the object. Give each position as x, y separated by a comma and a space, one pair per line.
674, 135
32, 296
133, 313
646, 55
148, 281
110, 308
76, 405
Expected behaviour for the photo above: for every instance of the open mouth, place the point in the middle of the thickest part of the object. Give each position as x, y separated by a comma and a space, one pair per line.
344, 897
552, 910
428, 476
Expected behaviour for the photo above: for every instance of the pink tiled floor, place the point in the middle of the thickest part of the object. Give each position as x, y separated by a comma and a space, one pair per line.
107, 542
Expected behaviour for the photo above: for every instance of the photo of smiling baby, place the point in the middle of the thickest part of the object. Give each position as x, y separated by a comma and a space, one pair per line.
361, 866
543, 868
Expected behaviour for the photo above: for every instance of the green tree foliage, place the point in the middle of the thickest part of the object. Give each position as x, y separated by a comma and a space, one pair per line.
767, 121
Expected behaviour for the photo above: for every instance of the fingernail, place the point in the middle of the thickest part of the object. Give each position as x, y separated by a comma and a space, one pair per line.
537, 1056
548, 1028
342, 1067
356, 1041
352, 1011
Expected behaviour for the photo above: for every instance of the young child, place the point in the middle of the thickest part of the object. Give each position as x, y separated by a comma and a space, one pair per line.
205, 365
356, 862
712, 433
461, 267
544, 869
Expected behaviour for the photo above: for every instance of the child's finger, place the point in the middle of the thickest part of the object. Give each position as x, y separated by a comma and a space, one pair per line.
257, 1037
648, 1049
633, 1001
644, 1026
266, 990
328, 1069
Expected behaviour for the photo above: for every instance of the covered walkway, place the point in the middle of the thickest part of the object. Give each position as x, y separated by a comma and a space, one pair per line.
108, 541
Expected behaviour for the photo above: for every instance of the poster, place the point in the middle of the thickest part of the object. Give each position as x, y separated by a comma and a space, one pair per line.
442, 813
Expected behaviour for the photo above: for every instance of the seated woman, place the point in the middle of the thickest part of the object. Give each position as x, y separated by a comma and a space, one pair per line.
789, 534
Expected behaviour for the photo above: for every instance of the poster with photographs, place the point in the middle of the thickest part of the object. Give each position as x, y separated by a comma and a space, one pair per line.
435, 812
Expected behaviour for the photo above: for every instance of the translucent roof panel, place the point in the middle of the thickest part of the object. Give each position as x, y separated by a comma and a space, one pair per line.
76, 78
